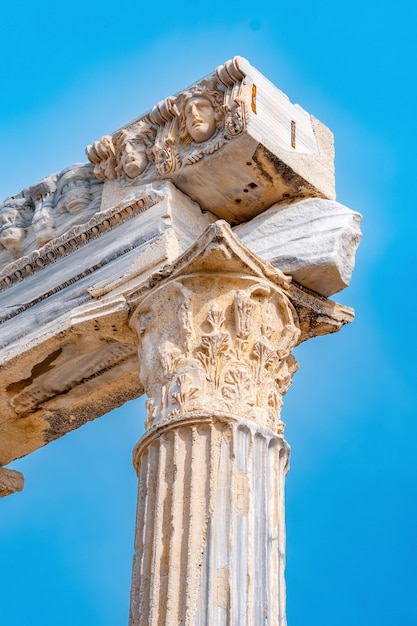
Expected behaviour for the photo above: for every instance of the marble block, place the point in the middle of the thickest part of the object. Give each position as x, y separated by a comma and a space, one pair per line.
312, 240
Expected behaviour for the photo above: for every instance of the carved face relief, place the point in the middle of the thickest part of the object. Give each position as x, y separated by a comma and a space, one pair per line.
199, 118
134, 160
76, 197
76, 189
43, 225
13, 221
11, 238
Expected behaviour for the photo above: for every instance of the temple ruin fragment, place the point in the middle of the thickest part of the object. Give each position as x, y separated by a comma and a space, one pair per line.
198, 246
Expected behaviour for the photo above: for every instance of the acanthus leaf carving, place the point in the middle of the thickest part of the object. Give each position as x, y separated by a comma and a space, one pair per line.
186, 394
238, 390
214, 350
229, 353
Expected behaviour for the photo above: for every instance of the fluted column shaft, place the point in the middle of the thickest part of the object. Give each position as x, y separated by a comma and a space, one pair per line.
210, 533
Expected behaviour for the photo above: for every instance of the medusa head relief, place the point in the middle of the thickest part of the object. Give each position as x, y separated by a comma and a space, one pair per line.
201, 115
134, 151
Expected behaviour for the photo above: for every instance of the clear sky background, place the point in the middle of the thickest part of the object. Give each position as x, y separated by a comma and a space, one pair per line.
71, 72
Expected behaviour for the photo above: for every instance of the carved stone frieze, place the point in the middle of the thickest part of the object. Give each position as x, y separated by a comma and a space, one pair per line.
126, 155
77, 237
46, 210
85, 250
233, 120
178, 132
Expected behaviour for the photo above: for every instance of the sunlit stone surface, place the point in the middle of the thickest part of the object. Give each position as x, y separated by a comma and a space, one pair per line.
123, 276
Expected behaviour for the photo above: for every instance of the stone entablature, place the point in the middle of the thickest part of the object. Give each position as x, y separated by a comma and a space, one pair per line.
80, 361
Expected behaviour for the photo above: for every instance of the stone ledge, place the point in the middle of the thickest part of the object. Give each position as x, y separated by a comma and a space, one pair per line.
11, 481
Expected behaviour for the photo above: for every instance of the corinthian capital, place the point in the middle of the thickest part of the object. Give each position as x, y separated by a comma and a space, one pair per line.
216, 333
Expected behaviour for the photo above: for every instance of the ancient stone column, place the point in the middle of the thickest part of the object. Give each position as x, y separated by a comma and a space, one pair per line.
215, 339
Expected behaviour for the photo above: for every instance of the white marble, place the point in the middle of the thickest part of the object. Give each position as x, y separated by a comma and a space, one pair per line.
46, 210
312, 240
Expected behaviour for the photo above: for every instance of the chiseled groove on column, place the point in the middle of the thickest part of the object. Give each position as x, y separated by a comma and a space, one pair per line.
198, 518
146, 573
185, 454
141, 574
166, 533
283, 470
259, 606
139, 539
175, 532
240, 547
214, 451
192, 470
208, 579
157, 543
250, 543
211, 500
221, 533
273, 488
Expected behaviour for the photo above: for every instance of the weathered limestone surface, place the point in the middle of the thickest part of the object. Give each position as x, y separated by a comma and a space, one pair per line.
66, 351
10, 481
47, 209
213, 488
72, 245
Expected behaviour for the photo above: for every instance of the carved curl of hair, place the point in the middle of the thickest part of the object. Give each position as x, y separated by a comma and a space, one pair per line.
102, 152
216, 99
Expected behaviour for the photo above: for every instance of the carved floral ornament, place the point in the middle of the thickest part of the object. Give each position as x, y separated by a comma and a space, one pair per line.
178, 131
216, 329
228, 353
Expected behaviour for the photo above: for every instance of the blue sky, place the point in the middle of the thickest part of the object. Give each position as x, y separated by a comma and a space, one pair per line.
73, 72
